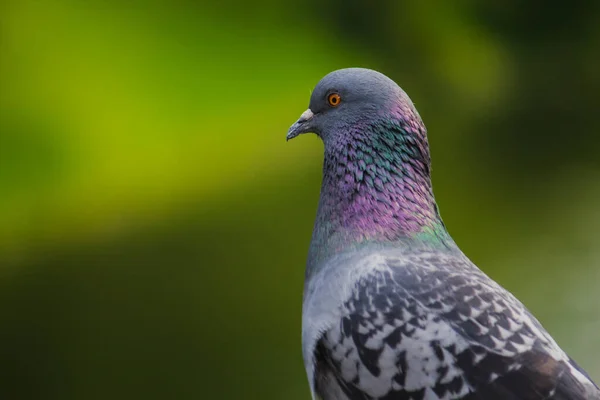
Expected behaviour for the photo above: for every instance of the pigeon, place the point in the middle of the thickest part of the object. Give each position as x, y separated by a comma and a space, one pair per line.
392, 309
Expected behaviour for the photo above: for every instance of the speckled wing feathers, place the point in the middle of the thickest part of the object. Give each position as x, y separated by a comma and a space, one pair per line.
432, 327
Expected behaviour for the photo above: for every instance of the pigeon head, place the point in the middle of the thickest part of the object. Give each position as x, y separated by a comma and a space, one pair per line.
376, 171
354, 99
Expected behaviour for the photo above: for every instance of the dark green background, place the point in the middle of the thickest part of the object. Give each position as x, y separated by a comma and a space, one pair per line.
154, 222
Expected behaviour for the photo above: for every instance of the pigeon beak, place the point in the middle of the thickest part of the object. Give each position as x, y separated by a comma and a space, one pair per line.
303, 125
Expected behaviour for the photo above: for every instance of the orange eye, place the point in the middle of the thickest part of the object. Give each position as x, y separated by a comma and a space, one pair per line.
334, 99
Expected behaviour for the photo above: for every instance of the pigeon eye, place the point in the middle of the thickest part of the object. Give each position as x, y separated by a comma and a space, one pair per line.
334, 99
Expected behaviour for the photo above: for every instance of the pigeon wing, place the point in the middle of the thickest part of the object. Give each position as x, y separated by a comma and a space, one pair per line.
433, 326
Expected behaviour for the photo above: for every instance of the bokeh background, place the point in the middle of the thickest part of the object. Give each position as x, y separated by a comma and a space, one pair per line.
154, 222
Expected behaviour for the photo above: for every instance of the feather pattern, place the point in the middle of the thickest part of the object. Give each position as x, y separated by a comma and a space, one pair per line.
430, 325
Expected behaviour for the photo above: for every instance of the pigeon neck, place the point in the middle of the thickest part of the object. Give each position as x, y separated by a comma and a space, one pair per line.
377, 189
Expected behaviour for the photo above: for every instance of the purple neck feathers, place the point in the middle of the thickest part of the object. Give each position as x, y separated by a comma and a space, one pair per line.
376, 186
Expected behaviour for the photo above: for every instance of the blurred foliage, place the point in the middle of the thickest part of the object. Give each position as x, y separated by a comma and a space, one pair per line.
154, 223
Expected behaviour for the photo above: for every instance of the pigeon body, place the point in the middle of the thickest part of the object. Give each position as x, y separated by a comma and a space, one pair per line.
392, 308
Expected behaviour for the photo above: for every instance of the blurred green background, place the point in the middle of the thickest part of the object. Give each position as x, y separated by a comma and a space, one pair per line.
154, 223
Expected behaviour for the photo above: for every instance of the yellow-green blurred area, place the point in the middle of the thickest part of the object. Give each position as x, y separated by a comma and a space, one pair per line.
154, 222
